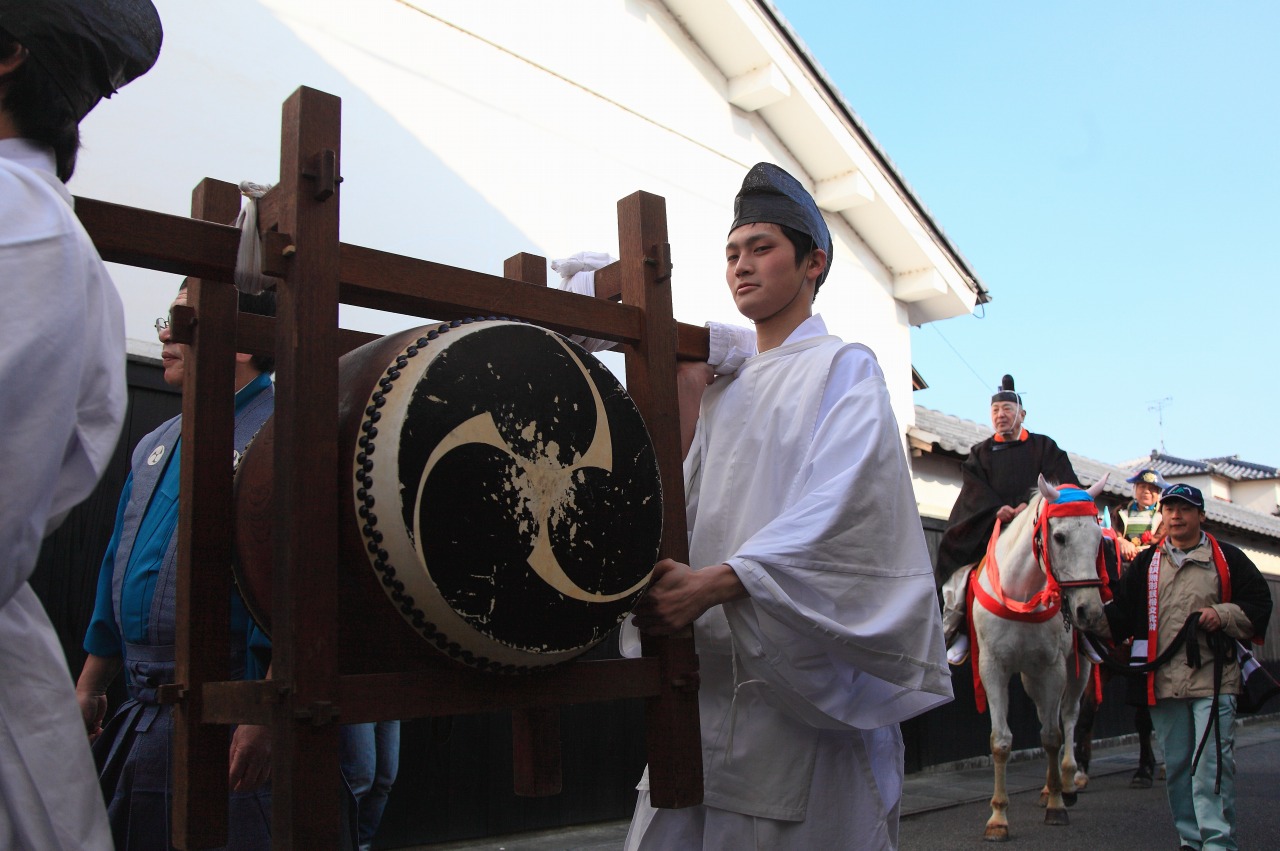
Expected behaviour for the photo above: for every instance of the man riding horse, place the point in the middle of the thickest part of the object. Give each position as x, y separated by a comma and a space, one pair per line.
999, 478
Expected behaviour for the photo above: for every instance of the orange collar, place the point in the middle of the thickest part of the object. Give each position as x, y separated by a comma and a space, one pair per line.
1021, 437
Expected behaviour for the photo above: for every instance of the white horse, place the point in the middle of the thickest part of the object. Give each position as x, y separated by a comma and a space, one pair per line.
1046, 572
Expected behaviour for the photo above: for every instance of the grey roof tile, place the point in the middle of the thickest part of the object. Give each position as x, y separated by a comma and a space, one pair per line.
1233, 468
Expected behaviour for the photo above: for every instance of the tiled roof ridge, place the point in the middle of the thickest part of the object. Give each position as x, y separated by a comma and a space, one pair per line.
1234, 461
1229, 466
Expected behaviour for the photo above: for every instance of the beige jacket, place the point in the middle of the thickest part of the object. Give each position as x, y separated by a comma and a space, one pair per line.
1184, 590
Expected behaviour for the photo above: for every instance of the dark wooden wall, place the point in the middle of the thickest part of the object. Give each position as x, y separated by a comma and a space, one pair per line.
455, 773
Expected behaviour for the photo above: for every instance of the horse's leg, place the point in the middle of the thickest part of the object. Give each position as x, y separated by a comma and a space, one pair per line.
1079, 683
1084, 737
1046, 689
1142, 778
995, 680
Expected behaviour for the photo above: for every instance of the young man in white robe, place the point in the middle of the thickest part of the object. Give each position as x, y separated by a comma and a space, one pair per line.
62, 387
810, 587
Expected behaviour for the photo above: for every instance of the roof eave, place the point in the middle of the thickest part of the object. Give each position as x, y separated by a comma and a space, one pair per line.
768, 71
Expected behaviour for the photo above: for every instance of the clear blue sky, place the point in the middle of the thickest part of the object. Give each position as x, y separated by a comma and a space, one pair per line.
1111, 171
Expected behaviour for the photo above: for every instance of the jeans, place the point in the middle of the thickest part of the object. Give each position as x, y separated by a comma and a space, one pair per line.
1203, 820
370, 761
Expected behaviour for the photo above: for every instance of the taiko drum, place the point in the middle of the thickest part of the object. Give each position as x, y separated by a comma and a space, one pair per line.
500, 500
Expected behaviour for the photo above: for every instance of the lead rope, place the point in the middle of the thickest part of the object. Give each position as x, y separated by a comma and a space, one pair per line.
1186, 636
1220, 648
248, 273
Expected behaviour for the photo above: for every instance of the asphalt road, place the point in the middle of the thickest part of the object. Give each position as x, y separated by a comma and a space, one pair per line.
946, 810
1109, 816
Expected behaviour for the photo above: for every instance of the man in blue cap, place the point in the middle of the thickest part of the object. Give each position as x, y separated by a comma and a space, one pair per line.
1189, 572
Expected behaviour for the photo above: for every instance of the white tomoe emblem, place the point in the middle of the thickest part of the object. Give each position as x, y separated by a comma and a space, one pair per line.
155, 456
542, 483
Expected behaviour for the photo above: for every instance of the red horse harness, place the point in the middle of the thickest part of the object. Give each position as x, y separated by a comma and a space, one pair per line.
1050, 596
1072, 502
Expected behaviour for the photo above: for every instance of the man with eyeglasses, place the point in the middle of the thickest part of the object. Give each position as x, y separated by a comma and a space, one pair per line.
1190, 572
62, 386
133, 627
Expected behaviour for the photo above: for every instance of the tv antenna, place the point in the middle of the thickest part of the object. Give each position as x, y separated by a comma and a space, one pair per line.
1158, 405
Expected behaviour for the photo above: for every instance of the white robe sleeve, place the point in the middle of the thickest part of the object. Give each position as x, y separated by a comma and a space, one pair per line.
842, 621
62, 388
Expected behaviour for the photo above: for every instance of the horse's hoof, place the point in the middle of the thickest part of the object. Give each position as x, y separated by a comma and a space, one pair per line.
1141, 778
1056, 817
1081, 781
1069, 798
996, 833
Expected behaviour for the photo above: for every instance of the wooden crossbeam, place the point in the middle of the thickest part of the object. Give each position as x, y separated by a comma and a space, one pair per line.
450, 690
368, 278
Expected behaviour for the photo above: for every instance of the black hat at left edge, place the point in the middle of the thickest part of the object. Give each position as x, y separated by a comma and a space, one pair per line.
90, 48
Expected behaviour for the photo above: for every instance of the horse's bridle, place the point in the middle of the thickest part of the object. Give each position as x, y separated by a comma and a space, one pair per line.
1076, 507
1072, 502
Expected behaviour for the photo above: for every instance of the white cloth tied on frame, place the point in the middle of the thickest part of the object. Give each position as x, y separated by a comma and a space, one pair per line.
578, 275
730, 346
248, 273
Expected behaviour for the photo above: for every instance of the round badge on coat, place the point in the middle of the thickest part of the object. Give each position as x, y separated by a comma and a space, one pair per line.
155, 456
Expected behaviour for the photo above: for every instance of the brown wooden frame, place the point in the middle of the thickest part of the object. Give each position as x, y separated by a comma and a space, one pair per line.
307, 696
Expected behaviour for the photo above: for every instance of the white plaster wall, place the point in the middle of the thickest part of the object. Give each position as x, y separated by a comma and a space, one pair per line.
936, 481
1263, 496
1268, 561
471, 131
1216, 487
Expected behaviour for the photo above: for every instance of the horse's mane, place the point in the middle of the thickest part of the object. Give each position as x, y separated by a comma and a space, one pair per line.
1027, 518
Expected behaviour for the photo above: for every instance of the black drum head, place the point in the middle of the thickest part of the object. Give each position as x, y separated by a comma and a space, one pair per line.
526, 502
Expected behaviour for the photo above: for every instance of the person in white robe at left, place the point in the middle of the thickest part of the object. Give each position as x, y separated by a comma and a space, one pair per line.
62, 387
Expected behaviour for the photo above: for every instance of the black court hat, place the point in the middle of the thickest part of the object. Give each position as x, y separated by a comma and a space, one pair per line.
1186, 493
89, 48
771, 195
1006, 393
1149, 476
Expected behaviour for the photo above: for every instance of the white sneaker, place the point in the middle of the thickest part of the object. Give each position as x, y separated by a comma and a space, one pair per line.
958, 652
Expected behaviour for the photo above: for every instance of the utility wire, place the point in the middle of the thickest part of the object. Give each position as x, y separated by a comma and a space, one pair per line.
985, 385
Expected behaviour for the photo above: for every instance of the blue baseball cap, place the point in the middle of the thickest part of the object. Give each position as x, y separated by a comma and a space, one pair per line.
1149, 476
1186, 493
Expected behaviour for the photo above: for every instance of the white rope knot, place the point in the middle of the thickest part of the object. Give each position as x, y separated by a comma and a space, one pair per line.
248, 275
733, 717
733, 706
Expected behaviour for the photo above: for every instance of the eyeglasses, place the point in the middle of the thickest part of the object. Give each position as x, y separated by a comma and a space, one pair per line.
162, 324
